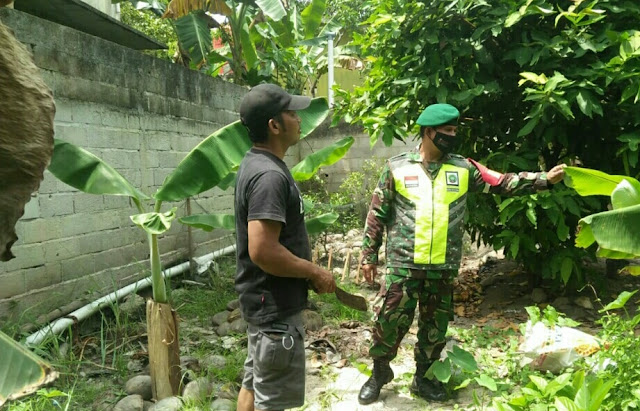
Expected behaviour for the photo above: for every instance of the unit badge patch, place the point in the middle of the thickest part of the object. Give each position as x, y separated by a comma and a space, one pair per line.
452, 178
411, 181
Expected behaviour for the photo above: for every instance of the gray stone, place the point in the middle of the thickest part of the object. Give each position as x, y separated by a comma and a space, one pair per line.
239, 326
214, 361
224, 329
148, 405
198, 389
560, 302
222, 404
538, 295
220, 318
135, 365
133, 306
234, 315
312, 320
189, 363
141, 385
233, 304
583, 302
168, 404
227, 392
130, 403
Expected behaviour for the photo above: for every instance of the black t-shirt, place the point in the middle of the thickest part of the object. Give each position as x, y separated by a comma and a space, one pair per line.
265, 190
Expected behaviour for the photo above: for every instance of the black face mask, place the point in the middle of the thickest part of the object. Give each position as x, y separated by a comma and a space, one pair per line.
446, 143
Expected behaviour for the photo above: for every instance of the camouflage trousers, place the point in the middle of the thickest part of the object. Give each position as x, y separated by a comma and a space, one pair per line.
404, 291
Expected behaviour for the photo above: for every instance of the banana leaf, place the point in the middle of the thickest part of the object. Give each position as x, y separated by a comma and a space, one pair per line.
617, 232
209, 222
194, 34
589, 182
248, 46
21, 371
320, 223
228, 181
272, 8
312, 17
305, 169
154, 223
81, 169
632, 269
625, 195
211, 161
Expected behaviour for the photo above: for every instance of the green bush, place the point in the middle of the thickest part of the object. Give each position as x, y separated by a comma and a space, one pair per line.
350, 201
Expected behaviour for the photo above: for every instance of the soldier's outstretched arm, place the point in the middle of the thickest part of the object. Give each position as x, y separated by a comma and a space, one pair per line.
489, 181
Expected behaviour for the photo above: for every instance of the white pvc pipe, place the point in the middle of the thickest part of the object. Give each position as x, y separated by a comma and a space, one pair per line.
61, 324
330, 69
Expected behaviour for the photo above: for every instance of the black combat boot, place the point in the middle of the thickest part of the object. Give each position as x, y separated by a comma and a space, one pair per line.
432, 390
381, 374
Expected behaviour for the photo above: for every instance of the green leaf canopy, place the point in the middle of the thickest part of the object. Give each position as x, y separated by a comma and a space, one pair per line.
86, 172
209, 222
272, 8
617, 232
319, 224
154, 223
305, 169
194, 34
588, 182
213, 159
21, 371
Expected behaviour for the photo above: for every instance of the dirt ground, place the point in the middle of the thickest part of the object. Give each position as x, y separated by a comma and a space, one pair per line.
490, 291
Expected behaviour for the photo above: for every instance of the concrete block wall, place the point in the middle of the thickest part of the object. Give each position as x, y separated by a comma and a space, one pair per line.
139, 114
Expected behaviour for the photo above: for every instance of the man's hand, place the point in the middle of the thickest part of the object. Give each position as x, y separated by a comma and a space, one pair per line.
370, 272
556, 174
323, 281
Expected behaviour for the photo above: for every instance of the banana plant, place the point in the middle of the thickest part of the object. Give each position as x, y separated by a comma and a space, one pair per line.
617, 231
213, 162
21, 371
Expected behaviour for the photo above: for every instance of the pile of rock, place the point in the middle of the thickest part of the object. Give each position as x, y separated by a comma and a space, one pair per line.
139, 393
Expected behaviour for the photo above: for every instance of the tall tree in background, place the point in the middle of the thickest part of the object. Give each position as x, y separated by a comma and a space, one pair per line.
538, 82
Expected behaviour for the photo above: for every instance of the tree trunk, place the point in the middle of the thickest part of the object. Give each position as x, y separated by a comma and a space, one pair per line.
164, 349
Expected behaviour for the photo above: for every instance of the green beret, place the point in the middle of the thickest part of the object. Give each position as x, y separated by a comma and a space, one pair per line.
438, 114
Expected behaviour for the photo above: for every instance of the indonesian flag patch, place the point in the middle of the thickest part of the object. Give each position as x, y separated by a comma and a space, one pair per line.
411, 181
493, 178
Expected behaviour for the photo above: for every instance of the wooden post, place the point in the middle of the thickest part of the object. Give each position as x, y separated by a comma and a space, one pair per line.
357, 279
330, 257
347, 266
164, 350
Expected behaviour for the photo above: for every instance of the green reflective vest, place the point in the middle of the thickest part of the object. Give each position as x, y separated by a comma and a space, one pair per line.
426, 228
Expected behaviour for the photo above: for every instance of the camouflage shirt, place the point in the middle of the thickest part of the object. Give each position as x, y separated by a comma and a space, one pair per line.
394, 211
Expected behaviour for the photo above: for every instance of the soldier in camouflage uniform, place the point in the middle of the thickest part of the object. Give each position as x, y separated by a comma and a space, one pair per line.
421, 201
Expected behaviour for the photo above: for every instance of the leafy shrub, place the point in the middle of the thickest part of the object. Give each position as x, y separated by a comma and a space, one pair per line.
620, 357
350, 201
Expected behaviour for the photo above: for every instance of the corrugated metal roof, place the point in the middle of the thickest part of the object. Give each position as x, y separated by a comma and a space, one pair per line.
82, 17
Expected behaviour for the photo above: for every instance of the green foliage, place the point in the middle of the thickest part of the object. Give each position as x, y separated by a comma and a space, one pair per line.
21, 370
617, 231
148, 23
567, 392
619, 358
350, 201
538, 83
549, 317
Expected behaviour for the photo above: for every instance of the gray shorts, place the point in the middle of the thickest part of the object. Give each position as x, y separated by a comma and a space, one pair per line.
274, 368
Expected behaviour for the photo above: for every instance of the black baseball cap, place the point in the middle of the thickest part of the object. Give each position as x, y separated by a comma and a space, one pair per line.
265, 101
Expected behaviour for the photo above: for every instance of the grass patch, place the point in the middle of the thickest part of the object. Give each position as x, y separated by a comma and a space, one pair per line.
334, 312
202, 303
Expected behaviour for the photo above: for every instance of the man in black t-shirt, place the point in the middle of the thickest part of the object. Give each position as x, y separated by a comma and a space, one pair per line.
273, 267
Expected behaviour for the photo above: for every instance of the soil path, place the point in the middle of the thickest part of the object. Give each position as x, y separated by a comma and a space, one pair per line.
490, 291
